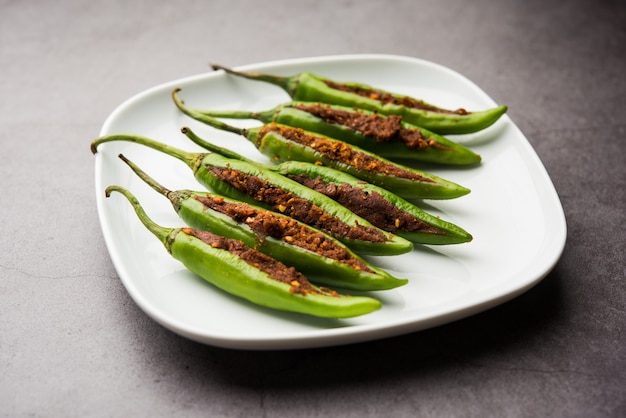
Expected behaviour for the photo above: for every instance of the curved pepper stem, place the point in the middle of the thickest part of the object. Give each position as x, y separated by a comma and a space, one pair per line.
193, 160
204, 118
209, 146
162, 233
174, 196
289, 84
264, 116
238, 114
212, 147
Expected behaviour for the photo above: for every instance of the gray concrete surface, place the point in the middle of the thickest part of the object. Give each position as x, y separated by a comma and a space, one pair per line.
73, 343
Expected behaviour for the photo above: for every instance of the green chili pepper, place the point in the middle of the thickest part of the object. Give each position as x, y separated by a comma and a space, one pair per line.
285, 143
376, 204
379, 206
312, 88
281, 237
252, 183
386, 136
242, 271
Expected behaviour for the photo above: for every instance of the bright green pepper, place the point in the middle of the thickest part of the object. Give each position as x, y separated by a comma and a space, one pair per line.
252, 183
376, 204
386, 136
244, 272
286, 143
326, 260
312, 88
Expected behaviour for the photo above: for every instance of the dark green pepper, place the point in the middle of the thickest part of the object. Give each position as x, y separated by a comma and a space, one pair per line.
244, 272
252, 183
387, 136
286, 143
312, 88
376, 204
326, 260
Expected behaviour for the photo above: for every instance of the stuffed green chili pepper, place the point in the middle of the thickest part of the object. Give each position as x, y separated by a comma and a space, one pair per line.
252, 183
379, 206
242, 271
286, 143
289, 241
312, 88
387, 136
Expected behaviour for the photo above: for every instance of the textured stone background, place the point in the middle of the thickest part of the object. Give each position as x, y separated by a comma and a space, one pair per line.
73, 343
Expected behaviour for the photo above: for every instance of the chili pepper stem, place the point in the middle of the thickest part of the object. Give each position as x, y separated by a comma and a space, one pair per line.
234, 114
162, 233
204, 118
263, 116
174, 197
285, 83
193, 160
212, 147
222, 151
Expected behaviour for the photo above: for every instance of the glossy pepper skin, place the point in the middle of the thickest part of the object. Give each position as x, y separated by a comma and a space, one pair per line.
433, 148
348, 270
233, 275
312, 88
401, 180
202, 164
434, 232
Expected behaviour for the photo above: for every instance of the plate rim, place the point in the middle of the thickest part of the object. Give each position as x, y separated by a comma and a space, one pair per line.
327, 336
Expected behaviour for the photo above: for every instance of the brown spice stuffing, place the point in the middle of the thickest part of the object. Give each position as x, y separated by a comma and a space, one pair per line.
275, 269
266, 223
371, 206
383, 128
291, 205
385, 98
342, 152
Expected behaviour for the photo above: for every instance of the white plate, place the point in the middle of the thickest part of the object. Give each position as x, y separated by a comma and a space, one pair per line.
513, 212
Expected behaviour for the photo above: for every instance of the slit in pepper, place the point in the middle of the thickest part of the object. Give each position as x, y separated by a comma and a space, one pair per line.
371, 206
296, 207
342, 152
267, 224
385, 98
383, 128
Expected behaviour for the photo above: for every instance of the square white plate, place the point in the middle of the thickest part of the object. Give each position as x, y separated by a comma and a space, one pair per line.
513, 212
